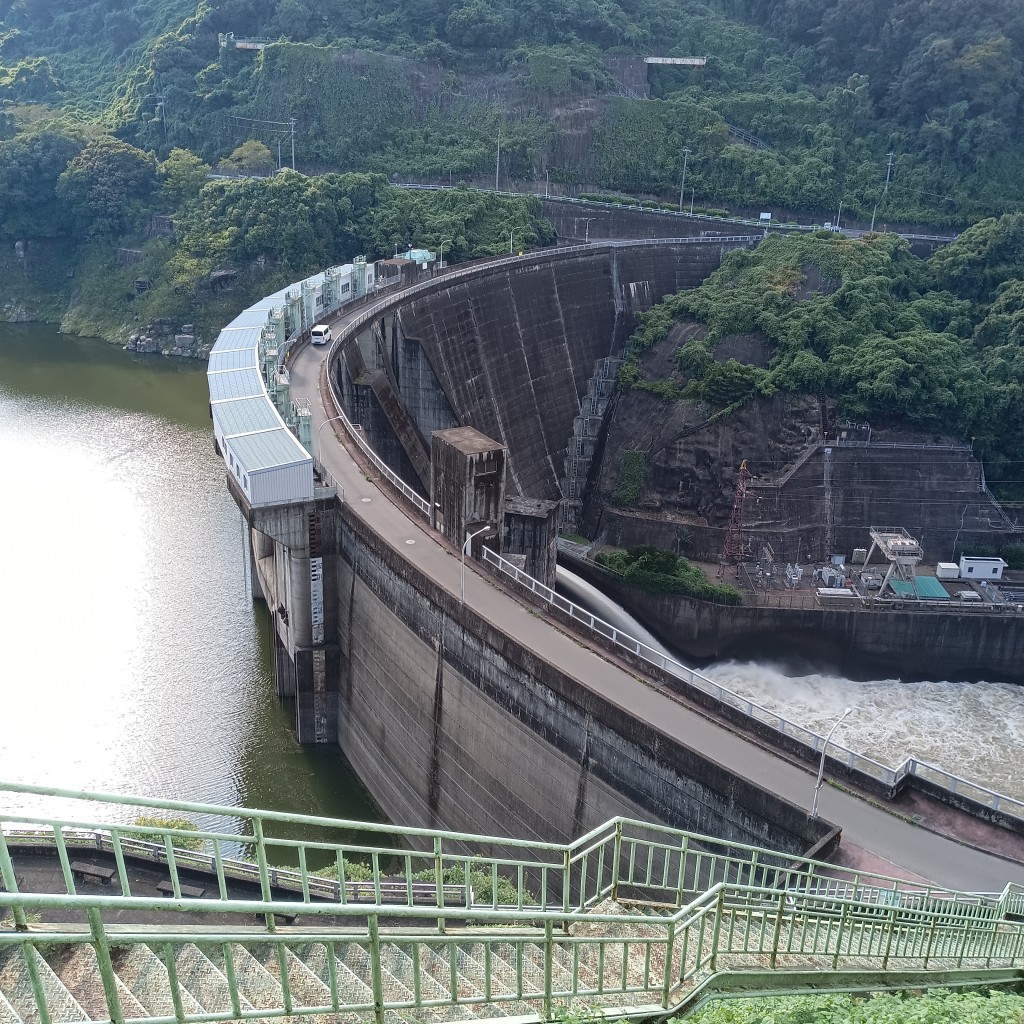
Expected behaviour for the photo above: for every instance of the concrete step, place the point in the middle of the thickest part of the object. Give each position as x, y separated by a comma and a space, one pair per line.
400, 964
203, 979
352, 990
145, 975
16, 986
255, 983
356, 957
7, 1014
79, 971
472, 965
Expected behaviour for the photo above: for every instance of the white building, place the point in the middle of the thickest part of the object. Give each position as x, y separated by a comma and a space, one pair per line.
979, 567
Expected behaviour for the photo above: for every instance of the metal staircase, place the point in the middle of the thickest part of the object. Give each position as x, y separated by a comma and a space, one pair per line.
630, 921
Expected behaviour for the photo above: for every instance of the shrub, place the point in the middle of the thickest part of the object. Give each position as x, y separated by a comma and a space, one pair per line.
632, 465
665, 572
156, 822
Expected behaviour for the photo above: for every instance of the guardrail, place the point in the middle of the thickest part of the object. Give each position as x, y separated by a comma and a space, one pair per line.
889, 776
247, 844
729, 907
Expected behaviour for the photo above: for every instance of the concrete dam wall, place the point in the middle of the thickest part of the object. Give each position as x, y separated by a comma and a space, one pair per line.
451, 723
511, 352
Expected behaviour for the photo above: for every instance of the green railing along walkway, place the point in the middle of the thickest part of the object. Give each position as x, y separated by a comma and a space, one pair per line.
630, 921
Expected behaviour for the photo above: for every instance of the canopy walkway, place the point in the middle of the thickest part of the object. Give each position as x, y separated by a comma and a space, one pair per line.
630, 921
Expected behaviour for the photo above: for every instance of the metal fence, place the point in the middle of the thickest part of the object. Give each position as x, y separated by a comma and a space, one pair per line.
725, 907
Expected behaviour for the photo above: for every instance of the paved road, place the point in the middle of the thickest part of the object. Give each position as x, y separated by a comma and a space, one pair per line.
941, 860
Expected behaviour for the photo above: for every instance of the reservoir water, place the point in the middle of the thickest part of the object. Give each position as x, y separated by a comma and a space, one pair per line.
134, 658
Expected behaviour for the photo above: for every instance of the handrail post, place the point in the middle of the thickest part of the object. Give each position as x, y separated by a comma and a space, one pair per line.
10, 882
99, 940
261, 861
719, 910
777, 931
375, 970
616, 853
566, 869
888, 939
549, 954
439, 880
666, 985
839, 936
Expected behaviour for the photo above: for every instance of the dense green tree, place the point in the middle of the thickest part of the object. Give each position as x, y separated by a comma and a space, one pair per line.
104, 186
182, 175
30, 165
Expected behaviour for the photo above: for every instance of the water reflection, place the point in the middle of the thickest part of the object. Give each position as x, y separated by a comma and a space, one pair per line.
134, 661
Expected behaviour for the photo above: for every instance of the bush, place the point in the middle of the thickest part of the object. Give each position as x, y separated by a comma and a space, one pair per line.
179, 842
632, 465
666, 573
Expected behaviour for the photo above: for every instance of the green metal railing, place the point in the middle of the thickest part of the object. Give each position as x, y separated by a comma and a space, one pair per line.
466, 920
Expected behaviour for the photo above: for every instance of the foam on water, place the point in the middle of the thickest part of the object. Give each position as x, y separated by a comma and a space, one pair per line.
973, 729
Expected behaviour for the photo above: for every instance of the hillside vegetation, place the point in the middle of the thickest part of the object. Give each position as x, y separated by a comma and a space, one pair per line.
422, 90
935, 344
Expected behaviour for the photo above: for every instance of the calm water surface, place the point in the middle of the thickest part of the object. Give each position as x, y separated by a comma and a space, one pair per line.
134, 659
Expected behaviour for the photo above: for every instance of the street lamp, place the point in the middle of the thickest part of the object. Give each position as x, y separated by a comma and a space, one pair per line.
318, 429
465, 549
546, 183
821, 767
587, 239
440, 262
682, 184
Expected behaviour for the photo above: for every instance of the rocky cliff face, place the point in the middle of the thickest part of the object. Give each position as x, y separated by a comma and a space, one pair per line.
692, 454
166, 337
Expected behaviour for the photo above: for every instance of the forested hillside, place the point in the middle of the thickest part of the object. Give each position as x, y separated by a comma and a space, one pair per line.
113, 111
936, 345
422, 89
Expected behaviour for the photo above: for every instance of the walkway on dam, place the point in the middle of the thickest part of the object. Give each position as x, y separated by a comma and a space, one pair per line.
900, 842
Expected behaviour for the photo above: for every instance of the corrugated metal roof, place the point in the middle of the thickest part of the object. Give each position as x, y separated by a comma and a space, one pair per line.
250, 317
233, 359
267, 450
235, 384
245, 416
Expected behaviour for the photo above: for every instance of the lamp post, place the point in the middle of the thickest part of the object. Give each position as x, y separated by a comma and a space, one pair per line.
465, 548
821, 767
587, 239
546, 183
682, 184
318, 429
440, 262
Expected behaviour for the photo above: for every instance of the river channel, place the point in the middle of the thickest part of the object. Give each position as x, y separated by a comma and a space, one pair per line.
134, 659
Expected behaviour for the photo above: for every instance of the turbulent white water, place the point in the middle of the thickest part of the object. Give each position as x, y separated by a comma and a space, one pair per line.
973, 729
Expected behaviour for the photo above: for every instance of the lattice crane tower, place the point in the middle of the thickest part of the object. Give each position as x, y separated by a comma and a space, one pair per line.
732, 548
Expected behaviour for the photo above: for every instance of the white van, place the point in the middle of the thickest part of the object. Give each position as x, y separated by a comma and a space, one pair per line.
320, 334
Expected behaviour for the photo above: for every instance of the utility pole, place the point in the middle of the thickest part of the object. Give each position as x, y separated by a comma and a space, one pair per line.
839, 215
497, 161
291, 124
546, 183
682, 184
888, 176
693, 192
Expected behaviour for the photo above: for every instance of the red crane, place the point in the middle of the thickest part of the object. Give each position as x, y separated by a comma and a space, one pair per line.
732, 547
